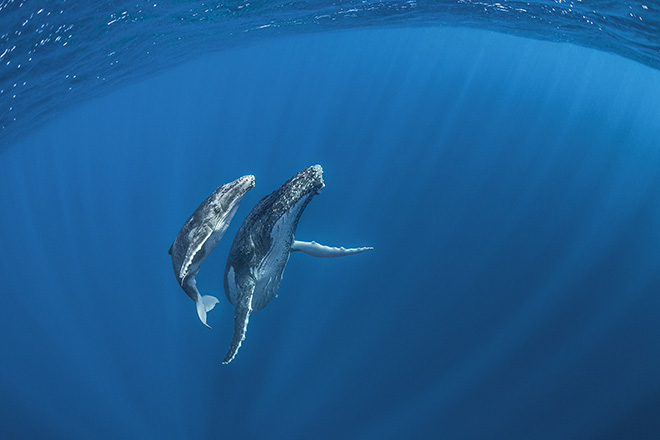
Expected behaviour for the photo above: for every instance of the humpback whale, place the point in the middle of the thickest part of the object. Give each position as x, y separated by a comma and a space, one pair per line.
201, 233
262, 245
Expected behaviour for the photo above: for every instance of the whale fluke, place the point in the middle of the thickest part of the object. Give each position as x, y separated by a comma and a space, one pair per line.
318, 250
205, 304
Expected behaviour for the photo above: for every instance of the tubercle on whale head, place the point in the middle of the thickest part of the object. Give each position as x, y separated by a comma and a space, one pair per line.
318, 171
307, 182
247, 180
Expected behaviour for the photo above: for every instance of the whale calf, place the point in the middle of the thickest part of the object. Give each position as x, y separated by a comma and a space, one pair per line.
201, 233
262, 245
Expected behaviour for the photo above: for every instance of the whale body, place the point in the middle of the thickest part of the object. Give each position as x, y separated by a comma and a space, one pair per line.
201, 233
261, 249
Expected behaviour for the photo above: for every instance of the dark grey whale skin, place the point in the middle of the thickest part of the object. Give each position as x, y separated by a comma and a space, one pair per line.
261, 248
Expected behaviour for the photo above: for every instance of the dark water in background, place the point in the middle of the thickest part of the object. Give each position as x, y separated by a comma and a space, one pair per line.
509, 187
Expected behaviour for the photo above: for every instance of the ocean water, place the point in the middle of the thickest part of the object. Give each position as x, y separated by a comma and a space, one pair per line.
501, 158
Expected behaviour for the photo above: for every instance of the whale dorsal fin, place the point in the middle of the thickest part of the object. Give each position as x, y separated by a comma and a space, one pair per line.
318, 250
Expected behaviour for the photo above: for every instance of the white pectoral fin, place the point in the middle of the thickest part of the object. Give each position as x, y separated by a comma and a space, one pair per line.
195, 251
241, 318
318, 250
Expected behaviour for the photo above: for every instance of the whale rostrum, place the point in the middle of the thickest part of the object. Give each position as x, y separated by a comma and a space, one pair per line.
201, 233
262, 246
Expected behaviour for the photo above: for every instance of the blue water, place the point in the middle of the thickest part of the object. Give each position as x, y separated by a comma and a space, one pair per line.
508, 184
56, 54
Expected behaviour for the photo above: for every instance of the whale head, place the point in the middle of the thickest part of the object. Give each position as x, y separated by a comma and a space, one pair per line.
243, 184
316, 173
308, 182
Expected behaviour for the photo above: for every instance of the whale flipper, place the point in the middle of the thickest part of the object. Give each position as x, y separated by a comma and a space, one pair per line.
194, 253
241, 318
318, 250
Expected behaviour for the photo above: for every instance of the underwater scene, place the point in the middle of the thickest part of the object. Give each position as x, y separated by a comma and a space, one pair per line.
330, 220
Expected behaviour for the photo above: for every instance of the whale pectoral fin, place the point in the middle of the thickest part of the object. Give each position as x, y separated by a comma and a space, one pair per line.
318, 250
241, 318
195, 252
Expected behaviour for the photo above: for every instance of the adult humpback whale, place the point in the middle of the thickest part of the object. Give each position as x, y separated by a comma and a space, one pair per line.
261, 249
201, 233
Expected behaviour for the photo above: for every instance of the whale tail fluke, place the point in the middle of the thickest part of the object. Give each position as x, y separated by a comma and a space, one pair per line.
205, 303
241, 318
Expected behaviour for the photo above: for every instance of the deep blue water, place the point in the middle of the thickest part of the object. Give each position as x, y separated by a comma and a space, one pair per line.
509, 186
